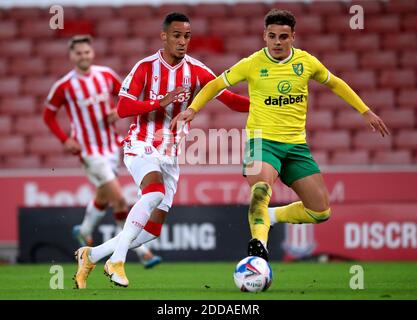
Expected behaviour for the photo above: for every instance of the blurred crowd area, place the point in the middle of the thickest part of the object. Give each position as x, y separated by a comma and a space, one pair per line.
378, 61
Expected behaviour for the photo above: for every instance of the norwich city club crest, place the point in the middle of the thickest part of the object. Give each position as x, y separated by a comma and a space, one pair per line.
298, 69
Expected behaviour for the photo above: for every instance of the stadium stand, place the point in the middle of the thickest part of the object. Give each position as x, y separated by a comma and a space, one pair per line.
380, 65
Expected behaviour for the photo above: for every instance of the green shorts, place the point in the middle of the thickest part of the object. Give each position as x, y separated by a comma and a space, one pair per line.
292, 161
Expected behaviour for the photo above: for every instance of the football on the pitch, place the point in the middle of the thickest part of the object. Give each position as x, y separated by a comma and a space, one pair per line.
253, 274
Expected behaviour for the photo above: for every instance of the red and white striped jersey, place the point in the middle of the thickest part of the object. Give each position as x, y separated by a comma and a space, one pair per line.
151, 79
88, 100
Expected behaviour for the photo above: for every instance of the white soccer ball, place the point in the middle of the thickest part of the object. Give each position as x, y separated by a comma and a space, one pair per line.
253, 274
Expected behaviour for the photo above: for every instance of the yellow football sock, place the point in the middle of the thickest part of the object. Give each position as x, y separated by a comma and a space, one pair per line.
296, 213
259, 221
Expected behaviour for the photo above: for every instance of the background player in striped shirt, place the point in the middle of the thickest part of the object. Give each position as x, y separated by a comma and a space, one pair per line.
278, 88
157, 89
87, 94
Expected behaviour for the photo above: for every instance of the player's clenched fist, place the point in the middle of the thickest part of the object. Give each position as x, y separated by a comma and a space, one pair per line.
71, 145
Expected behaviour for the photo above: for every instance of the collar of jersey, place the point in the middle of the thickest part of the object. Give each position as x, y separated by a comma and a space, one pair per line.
287, 59
166, 64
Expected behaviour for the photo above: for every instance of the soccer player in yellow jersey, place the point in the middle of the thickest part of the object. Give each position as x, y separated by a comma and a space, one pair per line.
277, 79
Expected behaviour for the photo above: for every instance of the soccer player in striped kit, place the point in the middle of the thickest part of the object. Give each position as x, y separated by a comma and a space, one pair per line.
157, 89
86, 92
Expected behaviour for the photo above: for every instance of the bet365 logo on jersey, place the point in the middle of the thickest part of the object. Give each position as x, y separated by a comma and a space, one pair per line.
181, 97
284, 87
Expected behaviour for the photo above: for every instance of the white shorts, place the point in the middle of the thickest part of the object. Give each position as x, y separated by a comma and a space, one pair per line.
141, 158
101, 169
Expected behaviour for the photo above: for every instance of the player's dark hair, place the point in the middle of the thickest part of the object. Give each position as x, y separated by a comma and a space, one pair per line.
174, 16
281, 17
83, 38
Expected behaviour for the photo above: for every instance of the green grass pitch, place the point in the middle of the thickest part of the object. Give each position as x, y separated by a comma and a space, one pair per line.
205, 281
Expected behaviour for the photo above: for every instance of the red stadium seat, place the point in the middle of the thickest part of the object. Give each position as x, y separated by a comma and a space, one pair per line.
248, 10
349, 119
371, 7
10, 86
59, 67
165, 9
342, 61
22, 162
401, 6
398, 79
207, 45
31, 126
230, 120
360, 79
214, 107
379, 60
331, 141
406, 139
321, 157
34, 66
371, 141
409, 22
52, 49
148, 28
338, 23
231, 26
399, 119
255, 26
22, 105
378, 99
3, 67
325, 43
45, 145
403, 40
12, 145
326, 8
24, 13
383, 24
297, 8
220, 63
100, 47
210, 10
17, 48
363, 43
38, 86
114, 62
408, 59
245, 46
407, 98
34, 29
63, 161
135, 12
98, 13
357, 157
199, 27
5, 125
8, 30
392, 157
311, 24
114, 28
319, 120
328, 100
127, 47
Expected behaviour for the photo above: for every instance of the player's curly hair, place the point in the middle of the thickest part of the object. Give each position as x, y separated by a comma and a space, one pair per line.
281, 17
81, 38
174, 16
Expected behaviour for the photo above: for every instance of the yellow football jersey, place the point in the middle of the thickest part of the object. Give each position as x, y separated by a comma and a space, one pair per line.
278, 92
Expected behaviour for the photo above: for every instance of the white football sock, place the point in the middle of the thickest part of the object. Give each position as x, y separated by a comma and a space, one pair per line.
135, 222
92, 217
142, 238
271, 212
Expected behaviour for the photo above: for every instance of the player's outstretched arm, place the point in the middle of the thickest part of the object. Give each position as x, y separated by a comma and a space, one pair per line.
128, 107
209, 91
342, 89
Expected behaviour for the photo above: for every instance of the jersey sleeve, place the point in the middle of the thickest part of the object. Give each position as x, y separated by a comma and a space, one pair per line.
56, 97
133, 84
115, 81
319, 72
237, 73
